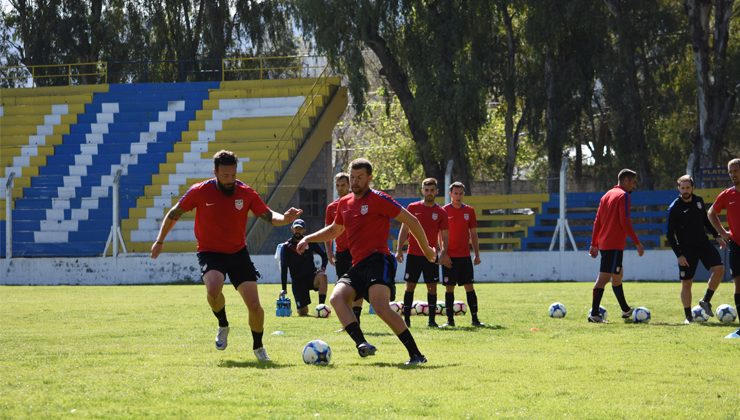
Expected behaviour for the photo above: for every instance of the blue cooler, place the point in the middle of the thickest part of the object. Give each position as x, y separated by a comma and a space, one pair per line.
282, 306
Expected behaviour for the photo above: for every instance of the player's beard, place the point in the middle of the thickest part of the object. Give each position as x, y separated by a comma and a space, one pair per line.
297, 237
226, 190
686, 196
429, 199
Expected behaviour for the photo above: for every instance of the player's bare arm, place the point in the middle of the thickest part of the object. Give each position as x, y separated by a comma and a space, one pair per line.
403, 235
443, 240
330, 252
412, 222
167, 224
476, 245
714, 220
277, 219
328, 233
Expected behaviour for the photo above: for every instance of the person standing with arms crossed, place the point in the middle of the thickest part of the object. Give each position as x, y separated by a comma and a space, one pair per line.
340, 258
433, 219
463, 230
687, 221
365, 216
223, 204
612, 225
729, 199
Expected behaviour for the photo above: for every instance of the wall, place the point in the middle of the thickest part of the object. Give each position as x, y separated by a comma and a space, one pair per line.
169, 268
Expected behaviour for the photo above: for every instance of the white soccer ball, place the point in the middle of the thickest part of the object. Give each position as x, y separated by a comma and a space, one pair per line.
322, 311
413, 307
699, 315
316, 352
602, 312
421, 308
557, 310
439, 309
397, 307
641, 315
726, 313
459, 308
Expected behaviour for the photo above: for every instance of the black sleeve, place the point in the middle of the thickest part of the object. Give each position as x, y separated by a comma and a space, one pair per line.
671, 231
318, 249
707, 223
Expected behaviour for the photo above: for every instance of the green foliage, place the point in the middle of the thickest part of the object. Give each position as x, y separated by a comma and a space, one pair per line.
147, 351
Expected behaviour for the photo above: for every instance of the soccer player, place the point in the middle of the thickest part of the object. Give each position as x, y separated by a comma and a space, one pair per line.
730, 199
687, 219
303, 273
433, 219
463, 230
223, 204
341, 259
365, 216
611, 228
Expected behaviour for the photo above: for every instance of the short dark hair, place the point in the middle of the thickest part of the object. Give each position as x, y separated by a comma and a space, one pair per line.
341, 175
626, 173
361, 163
457, 184
685, 178
429, 181
224, 157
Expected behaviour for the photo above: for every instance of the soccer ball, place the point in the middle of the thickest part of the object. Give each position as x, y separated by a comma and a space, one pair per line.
397, 307
316, 352
602, 312
322, 311
641, 314
414, 307
557, 310
726, 313
699, 315
439, 309
459, 308
421, 308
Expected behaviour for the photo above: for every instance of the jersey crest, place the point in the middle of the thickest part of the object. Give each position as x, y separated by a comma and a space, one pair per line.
239, 204
698, 205
363, 209
466, 216
435, 216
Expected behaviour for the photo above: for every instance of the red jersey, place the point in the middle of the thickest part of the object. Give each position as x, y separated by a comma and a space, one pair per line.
433, 219
612, 223
460, 221
366, 221
331, 212
220, 219
730, 199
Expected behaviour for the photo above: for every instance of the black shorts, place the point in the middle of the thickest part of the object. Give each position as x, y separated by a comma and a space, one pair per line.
704, 252
415, 265
343, 262
460, 274
376, 269
611, 261
237, 266
301, 290
734, 258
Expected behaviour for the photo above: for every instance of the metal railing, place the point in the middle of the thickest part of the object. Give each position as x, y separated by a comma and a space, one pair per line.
57, 74
259, 68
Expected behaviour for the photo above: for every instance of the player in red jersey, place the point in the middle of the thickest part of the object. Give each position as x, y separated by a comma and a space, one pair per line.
433, 219
340, 258
365, 217
730, 199
612, 225
223, 204
463, 228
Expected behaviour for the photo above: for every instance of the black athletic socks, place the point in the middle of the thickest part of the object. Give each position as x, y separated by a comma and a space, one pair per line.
355, 332
432, 301
449, 301
408, 341
596, 301
737, 301
708, 295
408, 298
357, 311
221, 316
472, 302
619, 293
256, 340
322, 299
688, 314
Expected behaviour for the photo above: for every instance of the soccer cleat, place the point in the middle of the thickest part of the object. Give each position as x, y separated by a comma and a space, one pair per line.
432, 324
366, 349
736, 334
222, 338
686, 321
627, 315
597, 319
477, 323
707, 307
261, 354
416, 359
449, 324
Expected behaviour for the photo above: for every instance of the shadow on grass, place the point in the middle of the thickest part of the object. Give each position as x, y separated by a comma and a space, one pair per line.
401, 365
472, 328
699, 324
251, 364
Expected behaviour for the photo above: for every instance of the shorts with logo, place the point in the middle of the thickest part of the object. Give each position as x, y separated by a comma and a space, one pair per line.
237, 266
415, 265
301, 289
611, 261
704, 252
461, 272
376, 269
343, 262
734, 258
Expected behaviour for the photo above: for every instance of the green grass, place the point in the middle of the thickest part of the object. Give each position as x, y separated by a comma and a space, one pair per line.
135, 351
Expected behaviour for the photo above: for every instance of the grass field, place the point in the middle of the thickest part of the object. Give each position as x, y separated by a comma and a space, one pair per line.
136, 351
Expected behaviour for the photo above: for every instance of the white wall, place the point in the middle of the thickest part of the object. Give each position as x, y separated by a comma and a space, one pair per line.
168, 268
